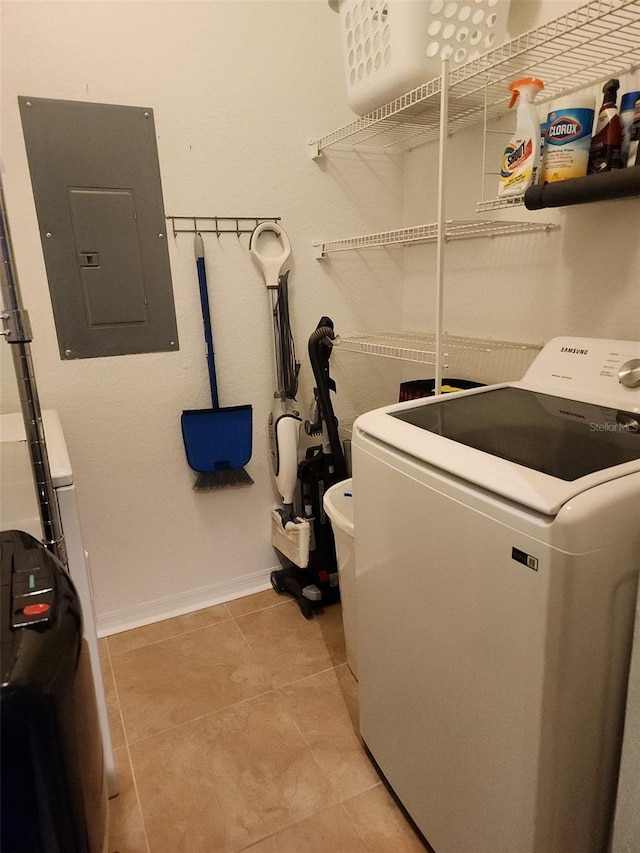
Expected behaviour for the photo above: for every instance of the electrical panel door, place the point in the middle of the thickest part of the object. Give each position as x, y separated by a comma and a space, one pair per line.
96, 184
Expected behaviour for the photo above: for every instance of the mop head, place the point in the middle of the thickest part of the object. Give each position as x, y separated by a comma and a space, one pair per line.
221, 478
292, 540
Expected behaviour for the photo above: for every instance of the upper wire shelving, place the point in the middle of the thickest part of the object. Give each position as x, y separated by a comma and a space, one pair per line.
595, 40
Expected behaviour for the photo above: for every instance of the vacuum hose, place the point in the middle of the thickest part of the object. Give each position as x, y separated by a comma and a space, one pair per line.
319, 353
287, 366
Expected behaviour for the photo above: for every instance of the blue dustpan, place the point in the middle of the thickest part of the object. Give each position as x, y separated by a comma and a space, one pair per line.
217, 441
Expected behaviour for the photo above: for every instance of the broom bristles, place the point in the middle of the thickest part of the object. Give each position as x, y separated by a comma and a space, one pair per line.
222, 478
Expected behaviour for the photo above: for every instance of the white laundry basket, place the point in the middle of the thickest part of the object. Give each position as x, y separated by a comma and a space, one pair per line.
338, 504
393, 46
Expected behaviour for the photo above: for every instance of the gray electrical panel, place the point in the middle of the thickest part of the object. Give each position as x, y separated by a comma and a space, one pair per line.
96, 184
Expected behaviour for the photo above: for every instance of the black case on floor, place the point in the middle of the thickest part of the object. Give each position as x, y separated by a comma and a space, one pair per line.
53, 790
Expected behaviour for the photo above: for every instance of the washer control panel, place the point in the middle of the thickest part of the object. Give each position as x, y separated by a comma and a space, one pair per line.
590, 369
629, 373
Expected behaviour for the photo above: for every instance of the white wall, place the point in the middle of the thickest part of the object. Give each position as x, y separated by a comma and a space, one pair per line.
581, 279
237, 89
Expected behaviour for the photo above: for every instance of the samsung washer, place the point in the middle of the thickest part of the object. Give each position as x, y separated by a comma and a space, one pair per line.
497, 556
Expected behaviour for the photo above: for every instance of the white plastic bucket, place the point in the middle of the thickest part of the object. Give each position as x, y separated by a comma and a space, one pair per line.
338, 504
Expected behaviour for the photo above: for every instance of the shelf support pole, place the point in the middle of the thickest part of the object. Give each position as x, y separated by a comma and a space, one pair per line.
441, 235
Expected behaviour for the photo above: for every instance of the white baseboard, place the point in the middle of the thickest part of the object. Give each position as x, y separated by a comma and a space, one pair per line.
185, 602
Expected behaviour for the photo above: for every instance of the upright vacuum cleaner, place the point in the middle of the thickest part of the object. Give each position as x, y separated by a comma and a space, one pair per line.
316, 584
304, 538
290, 534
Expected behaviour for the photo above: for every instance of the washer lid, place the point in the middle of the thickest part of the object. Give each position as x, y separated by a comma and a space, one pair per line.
536, 449
564, 438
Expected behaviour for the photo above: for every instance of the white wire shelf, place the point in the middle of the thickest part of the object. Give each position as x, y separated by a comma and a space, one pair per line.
598, 39
420, 348
454, 230
489, 204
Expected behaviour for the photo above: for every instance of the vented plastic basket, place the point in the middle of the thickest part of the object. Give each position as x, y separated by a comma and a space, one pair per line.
392, 46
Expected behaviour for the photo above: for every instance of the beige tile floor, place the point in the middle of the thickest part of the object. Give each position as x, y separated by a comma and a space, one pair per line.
235, 729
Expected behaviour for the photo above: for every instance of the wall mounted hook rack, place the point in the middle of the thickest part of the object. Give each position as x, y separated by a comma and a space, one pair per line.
217, 224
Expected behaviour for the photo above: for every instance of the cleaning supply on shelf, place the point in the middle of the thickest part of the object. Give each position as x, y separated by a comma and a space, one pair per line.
521, 159
627, 110
633, 158
568, 138
607, 139
543, 144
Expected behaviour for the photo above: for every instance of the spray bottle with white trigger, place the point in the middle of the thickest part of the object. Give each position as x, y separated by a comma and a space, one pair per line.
521, 159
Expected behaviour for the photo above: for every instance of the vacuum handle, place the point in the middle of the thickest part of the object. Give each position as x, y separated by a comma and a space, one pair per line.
206, 318
271, 266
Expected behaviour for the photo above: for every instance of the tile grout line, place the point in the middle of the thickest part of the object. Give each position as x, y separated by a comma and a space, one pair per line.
224, 707
250, 647
278, 696
126, 743
272, 690
296, 680
216, 710
202, 717
350, 819
338, 804
260, 609
170, 636
229, 618
275, 832
340, 800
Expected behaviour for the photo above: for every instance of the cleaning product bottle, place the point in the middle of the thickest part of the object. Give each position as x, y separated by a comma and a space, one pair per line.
627, 111
521, 160
633, 158
604, 154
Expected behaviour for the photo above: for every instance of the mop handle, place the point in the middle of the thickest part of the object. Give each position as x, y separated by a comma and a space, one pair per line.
206, 318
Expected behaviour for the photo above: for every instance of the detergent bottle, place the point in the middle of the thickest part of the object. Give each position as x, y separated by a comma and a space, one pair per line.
521, 160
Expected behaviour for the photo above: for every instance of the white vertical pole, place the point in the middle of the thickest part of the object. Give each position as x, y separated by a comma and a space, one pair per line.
440, 243
484, 142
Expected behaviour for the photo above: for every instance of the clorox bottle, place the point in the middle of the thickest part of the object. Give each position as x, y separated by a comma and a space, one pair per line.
521, 160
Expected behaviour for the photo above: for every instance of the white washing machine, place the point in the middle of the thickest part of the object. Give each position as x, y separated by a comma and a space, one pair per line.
497, 557
19, 511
